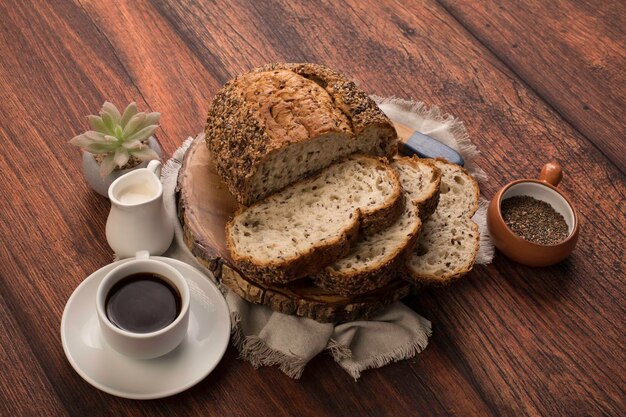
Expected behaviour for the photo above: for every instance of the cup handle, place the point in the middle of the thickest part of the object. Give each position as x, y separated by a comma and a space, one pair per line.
552, 173
142, 254
155, 166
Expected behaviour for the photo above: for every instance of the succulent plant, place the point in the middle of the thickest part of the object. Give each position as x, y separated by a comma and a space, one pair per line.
119, 137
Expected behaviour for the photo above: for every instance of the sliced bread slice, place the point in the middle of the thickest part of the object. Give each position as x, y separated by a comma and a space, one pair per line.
420, 179
310, 224
449, 240
375, 260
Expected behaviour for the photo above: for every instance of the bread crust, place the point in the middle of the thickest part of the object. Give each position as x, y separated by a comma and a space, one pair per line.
373, 221
434, 280
428, 203
438, 281
247, 121
276, 272
355, 283
361, 110
363, 221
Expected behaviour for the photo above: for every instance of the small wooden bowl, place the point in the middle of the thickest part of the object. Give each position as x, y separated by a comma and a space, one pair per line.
519, 249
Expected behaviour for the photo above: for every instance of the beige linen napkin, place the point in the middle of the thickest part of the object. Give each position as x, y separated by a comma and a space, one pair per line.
267, 338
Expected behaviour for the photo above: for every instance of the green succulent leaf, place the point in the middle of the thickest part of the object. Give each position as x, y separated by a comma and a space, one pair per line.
144, 133
109, 123
111, 139
81, 141
133, 144
145, 154
110, 109
97, 124
107, 166
136, 122
121, 157
95, 136
98, 147
119, 132
129, 112
153, 118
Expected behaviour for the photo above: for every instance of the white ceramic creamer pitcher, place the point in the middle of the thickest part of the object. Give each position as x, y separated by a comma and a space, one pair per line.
137, 220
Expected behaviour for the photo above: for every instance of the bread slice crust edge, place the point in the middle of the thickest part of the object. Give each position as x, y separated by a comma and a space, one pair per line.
440, 281
377, 276
362, 221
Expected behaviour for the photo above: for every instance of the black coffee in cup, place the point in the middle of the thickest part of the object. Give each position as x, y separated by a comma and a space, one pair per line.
143, 303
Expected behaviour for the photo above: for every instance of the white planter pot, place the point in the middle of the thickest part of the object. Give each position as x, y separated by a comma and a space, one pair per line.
91, 169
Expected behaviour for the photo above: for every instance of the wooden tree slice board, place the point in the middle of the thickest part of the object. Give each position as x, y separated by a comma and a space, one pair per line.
205, 206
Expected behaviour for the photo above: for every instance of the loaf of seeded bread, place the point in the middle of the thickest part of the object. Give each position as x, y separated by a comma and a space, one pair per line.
375, 260
301, 229
280, 123
449, 240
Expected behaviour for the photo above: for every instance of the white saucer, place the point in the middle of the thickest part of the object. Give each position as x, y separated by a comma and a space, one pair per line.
116, 374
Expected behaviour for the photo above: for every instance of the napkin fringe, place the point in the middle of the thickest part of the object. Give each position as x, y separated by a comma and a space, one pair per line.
402, 352
254, 350
338, 351
170, 169
407, 110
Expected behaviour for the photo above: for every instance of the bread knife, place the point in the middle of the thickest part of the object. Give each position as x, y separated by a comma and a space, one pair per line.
413, 142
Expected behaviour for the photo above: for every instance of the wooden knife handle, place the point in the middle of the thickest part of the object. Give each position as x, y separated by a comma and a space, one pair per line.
416, 143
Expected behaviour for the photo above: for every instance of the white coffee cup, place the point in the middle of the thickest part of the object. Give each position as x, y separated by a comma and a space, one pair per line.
144, 345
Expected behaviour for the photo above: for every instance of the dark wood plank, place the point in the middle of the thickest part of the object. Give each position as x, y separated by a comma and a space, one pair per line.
55, 224
572, 53
507, 341
24, 386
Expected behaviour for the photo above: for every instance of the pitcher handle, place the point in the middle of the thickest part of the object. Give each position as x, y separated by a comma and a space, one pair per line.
155, 166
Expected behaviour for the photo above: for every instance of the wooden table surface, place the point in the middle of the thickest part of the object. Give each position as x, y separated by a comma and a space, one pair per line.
532, 82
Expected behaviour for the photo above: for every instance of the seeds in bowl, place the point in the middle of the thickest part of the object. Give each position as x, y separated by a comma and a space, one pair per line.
534, 220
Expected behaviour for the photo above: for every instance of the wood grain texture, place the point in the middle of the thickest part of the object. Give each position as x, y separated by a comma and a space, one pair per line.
572, 53
508, 340
24, 386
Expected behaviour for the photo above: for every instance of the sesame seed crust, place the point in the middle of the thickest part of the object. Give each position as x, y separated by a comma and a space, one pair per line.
271, 107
